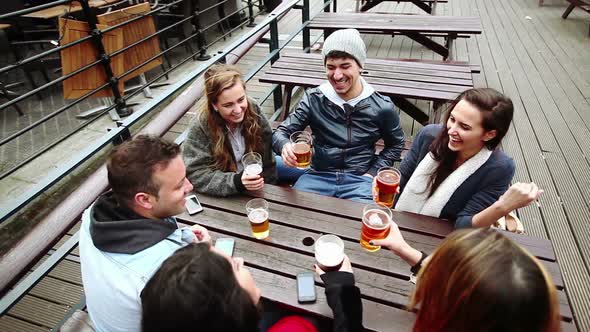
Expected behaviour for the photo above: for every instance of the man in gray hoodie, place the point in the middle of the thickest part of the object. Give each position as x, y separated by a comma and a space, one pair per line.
129, 231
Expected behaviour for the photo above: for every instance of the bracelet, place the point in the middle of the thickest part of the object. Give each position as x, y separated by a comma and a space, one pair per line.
416, 268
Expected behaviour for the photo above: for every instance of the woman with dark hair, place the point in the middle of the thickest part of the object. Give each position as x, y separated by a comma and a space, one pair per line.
455, 171
201, 289
228, 125
490, 284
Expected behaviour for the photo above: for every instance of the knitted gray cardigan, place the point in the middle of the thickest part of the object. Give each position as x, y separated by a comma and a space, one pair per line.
198, 157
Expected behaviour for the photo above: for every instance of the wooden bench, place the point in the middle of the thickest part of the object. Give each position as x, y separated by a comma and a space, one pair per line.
399, 79
416, 27
583, 5
428, 6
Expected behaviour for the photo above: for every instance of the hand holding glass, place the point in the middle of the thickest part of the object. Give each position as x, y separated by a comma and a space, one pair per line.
385, 185
301, 143
257, 210
329, 252
252, 162
376, 222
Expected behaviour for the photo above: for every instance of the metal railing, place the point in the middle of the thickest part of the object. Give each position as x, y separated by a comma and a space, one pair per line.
119, 102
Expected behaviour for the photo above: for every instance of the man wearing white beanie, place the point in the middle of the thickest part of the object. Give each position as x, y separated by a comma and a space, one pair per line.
347, 117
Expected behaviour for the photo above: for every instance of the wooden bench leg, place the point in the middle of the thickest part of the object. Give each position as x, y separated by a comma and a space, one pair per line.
286, 101
449, 45
568, 11
411, 109
429, 43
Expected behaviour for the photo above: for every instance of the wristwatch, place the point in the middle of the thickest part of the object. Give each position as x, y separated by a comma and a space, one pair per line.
416, 268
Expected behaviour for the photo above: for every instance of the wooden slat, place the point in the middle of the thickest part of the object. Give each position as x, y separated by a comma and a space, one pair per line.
38, 311
12, 324
59, 291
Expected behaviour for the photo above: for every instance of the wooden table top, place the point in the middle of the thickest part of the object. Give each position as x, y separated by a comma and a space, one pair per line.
392, 23
383, 278
59, 10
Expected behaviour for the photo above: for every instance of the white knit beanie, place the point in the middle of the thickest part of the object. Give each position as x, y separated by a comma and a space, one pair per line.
348, 41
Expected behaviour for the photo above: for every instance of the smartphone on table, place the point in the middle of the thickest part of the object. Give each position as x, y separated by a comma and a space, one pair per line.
226, 245
193, 205
306, 287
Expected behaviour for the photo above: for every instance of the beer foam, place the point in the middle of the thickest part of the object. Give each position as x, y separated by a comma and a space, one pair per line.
253, 169
376, 218
258, 216
328, 253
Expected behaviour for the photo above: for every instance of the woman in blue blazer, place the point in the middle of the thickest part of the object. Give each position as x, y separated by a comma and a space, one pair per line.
455, 171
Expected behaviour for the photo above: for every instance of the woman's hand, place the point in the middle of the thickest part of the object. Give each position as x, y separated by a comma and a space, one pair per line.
396, 243
288, 155
519, 195
345, 267
394, 240
252, 182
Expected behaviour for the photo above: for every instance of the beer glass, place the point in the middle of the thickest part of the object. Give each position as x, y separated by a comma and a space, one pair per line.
301, 142
329, 252
257, 209
385, 185
376, 222
252, 162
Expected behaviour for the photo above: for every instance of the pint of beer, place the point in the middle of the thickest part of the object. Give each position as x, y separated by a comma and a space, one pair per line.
376, 222
301, 142
329, 252
252, 162
257, 209
386, 184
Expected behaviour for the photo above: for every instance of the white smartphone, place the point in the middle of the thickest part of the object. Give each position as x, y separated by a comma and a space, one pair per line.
193, 205
226, 245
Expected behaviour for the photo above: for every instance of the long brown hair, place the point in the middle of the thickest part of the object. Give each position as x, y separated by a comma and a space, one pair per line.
479, 280
218, 79
496, 110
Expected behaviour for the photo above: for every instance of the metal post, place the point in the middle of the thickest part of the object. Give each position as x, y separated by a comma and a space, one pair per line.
251, 23
273, 45
304, 19
201, 42
121, 107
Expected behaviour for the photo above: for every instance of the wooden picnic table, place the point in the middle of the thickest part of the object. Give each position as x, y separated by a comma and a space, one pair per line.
428, 6
399, 79
298, 218
417, 27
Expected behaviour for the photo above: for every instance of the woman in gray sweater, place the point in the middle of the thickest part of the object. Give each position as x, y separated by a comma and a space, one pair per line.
228, 125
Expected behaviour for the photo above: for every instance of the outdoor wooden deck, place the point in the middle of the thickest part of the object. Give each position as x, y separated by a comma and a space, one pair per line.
528, 52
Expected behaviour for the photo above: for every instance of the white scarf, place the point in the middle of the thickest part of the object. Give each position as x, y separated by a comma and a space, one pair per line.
415, 198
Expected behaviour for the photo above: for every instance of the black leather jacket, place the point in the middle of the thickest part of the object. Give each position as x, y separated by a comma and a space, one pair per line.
344, 140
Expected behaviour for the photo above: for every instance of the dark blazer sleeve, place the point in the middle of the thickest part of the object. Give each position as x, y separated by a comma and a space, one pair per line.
496, 182
345, 300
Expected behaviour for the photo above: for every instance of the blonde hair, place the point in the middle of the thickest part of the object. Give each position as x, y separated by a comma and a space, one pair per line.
479, 280
218, 79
